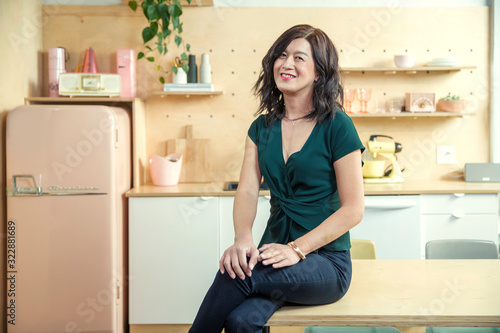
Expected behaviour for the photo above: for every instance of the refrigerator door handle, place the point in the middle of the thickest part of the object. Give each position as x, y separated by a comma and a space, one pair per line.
26, 190
38, 190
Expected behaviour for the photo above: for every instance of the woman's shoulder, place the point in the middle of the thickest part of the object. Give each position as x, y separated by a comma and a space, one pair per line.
339, 119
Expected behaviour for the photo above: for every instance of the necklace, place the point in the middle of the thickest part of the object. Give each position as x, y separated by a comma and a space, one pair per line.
295, 119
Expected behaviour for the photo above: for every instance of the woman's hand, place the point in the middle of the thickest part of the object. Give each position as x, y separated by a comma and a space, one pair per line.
234, 260
278, 255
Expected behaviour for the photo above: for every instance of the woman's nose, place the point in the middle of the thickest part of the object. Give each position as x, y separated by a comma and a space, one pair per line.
288, 63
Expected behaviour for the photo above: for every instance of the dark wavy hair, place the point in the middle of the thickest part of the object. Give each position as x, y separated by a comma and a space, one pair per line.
328, 95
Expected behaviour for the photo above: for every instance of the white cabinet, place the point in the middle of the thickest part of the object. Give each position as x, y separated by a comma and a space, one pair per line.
226, 221
393, 223
459, 216
175, 243
173, 257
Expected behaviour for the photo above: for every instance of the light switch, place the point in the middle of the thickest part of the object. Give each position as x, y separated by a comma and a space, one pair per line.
446, 155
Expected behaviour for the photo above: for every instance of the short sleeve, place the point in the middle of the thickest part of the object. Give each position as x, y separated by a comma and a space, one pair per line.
345, 139
253, 131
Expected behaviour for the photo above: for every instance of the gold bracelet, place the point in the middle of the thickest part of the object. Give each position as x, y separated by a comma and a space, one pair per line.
297, 250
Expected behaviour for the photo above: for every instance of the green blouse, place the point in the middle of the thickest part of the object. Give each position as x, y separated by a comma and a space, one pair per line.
304, 189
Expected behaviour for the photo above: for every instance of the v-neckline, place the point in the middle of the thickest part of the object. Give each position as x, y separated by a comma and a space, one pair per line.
298, 151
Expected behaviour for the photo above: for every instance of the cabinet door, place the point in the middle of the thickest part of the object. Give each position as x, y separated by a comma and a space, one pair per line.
393, 223
226, 221
467, 226
173, 257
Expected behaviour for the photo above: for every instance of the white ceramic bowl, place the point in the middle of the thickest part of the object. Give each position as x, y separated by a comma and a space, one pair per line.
405, 60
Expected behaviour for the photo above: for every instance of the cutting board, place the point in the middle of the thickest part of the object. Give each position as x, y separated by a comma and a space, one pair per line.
196, 166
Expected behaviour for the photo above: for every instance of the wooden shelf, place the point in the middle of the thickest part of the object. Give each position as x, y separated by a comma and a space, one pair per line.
64, 100
410, 70
188, 93
437, 114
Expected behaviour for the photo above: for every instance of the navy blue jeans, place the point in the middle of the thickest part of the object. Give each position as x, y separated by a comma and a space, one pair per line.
244, 306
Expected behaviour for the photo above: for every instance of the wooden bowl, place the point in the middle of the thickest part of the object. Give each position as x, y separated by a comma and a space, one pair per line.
451, 106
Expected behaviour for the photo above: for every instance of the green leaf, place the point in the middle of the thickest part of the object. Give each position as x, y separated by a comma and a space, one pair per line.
149, 48
167, 32
153, 12
162, 80
165, 50
154, 27
178, 40
185, 67
175, 10
150, 59
175, 22
147, 34
140, 55
188, 47
132, 5
175, 69
145, 9
164, 14
184, 56
160, 48
189, 1
179, 27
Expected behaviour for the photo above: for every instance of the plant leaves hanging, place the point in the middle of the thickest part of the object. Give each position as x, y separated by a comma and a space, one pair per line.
147, 34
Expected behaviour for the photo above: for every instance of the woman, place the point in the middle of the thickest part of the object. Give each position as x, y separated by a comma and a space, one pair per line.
309, 154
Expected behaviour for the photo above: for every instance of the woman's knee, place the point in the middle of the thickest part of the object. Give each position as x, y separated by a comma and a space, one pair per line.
245, 321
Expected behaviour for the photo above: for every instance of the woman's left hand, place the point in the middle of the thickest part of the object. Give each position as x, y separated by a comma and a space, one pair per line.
278, 255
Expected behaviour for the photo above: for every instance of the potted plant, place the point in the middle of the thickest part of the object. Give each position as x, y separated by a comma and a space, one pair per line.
163, 22
451, 104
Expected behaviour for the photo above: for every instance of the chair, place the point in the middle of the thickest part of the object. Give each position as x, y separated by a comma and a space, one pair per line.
360, 249
363, 249
461, 249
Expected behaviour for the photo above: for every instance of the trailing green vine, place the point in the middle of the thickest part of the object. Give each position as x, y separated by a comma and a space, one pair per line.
163, 22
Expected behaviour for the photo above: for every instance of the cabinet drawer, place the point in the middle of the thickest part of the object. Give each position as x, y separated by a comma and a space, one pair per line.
459, 204
471, 226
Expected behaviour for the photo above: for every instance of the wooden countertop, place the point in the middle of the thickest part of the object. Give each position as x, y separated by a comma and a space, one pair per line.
409, 293
410, 186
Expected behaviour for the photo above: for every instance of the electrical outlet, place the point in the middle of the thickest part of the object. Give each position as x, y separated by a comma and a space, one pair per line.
446, 155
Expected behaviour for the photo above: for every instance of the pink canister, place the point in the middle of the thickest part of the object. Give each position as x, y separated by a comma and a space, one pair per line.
57, 65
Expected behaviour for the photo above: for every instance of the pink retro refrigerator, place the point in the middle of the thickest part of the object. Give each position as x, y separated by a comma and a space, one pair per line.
68, 168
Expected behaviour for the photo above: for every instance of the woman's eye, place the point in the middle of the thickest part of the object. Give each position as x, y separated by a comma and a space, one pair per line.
299, 58
283, 55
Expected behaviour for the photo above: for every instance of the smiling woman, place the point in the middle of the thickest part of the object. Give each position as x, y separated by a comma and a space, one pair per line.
308, 152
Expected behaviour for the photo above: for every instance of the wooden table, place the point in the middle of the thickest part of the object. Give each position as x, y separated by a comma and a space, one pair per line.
409, 293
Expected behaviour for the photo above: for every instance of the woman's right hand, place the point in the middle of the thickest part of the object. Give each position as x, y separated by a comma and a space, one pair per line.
234, 260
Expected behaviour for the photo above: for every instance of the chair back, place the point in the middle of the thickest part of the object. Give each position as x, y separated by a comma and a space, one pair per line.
363, 249
461, 249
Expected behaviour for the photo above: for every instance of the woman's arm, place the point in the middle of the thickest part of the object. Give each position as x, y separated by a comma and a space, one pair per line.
234, 259
352, 205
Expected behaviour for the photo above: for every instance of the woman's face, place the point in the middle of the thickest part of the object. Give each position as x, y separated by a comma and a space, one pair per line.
294, 70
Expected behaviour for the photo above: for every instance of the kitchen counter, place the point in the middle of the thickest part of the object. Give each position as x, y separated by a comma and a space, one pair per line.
409, 187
